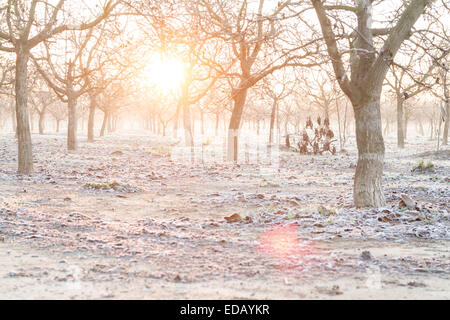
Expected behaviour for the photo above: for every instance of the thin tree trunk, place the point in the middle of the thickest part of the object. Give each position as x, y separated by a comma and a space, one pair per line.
202, 119
421, 131
368, 190
41, 122
91, 120
400, 124
72, 123
217, 124
109, 123
446, 125
57, 125
341, 144
25, 155
405, 127
188, 136
272, 121
105, 120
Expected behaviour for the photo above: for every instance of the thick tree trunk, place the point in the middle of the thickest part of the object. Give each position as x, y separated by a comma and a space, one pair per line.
368, 190
25, 157
91, 119
240, 96
400, 124
72, 123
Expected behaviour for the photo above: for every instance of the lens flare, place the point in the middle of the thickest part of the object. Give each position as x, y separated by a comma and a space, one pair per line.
282, 244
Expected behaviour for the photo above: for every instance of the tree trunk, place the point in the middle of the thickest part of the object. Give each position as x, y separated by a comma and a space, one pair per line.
72, 123
240, 96
202, 119
405, 127
91, 119
338, 113
217, 124
109, 123
154, 123
105, 120
400, 124
57, 125
421, 131
188, 137
25, 157
41, 122
446, 125
272, 121
368, 190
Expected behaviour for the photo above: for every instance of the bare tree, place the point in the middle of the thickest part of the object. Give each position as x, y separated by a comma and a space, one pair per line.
254, 37
23, 27
368, 68
70, 79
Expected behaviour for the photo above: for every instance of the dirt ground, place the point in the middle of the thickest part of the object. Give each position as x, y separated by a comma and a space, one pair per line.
124, 218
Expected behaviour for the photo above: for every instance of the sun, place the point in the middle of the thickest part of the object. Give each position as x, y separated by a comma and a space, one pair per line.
165, 73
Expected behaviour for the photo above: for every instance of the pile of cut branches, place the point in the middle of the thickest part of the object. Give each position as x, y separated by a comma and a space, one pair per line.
315, 139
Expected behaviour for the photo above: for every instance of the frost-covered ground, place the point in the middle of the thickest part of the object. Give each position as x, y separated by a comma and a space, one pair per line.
131, 216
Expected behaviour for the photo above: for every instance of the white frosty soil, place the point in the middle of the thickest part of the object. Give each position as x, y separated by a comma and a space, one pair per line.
121, 219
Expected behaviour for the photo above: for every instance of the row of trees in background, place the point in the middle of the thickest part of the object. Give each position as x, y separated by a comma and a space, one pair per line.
251, 62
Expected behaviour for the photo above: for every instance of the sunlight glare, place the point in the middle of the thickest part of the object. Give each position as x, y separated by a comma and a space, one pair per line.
167, 74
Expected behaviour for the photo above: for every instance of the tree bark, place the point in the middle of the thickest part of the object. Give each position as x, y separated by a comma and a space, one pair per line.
272, 121
217, 124
202, 119
188, 136
105, 120
109, 123
41, 122
72, 123
91, 119
400, 124
240, 96
446, 125
25, 155
405, 126
368, 191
